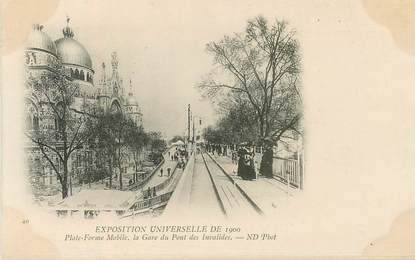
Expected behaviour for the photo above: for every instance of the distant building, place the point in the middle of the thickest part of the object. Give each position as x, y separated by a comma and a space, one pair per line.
198, 125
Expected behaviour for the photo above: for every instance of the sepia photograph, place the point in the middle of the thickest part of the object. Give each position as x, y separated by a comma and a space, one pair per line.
207, 129
88, 150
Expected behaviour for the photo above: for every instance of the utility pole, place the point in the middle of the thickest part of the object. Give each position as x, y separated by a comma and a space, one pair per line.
193, 138
188, 123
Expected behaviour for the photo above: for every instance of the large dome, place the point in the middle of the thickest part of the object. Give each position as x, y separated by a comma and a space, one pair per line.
70, 51
40, 40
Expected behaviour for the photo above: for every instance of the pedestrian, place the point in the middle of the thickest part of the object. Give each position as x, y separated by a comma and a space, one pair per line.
161, 172
252, 168
241, 155
154, 192
246, 168
168, 172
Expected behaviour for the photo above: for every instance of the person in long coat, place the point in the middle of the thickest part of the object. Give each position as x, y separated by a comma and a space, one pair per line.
241, 163
252, 170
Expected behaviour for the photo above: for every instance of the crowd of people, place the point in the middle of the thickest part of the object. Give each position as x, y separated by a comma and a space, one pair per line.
243, 156
180, 155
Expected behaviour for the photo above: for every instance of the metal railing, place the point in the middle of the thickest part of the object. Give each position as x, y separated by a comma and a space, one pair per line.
148, 203
160, 199
289, 171
167, 182
147, 178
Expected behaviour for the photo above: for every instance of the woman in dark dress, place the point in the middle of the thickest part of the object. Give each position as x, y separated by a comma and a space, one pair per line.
245, 171
241, 155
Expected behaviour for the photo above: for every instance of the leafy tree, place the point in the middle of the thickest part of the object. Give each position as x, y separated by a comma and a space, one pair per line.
113, 139
177, 138
157, 143
261, 67
137, 139
157, 146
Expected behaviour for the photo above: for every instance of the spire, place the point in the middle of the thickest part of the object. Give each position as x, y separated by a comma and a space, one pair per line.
130, 93
114, 61
67, 31
103, 75
103, 80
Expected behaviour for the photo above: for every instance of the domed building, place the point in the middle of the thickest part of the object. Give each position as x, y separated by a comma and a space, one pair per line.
44, 55
74, 57
132, 107
41, 53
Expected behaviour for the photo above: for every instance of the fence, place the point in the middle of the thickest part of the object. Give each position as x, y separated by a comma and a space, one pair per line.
139, 185
165, 183
143, 204
160, 199
289, 171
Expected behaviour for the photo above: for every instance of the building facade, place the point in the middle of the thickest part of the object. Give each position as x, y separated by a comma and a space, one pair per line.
44, 55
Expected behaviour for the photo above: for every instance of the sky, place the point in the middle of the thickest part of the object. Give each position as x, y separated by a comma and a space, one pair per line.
160, 47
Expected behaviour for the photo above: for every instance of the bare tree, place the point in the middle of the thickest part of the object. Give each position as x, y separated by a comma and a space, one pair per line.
261, 66
65, 127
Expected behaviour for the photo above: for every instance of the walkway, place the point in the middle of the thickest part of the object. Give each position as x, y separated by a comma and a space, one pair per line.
203, 201
156, 179
266, 193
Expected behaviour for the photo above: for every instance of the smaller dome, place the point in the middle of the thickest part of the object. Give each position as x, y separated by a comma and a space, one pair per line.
40, 40
131, 101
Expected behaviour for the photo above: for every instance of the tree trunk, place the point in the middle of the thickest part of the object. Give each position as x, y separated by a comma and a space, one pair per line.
110, 169
266, 162
64, 191
120, 175
65, 181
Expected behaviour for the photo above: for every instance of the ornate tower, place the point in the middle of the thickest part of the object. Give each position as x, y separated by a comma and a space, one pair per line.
132, 107
103, 89
115, 77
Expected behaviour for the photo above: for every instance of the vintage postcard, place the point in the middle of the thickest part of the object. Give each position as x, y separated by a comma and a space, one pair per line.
208, 129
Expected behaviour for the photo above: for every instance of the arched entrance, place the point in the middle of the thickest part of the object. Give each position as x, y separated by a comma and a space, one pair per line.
115, 107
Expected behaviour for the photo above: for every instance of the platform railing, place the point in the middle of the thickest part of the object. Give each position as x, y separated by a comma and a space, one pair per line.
148, 203
160, 199
147, 178
288, 171
167, 182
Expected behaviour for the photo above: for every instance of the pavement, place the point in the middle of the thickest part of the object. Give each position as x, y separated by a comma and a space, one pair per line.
267, 193
203, 202
156, 179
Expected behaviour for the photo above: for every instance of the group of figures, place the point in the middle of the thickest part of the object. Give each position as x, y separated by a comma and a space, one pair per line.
181, 156
243, 157
246, 164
